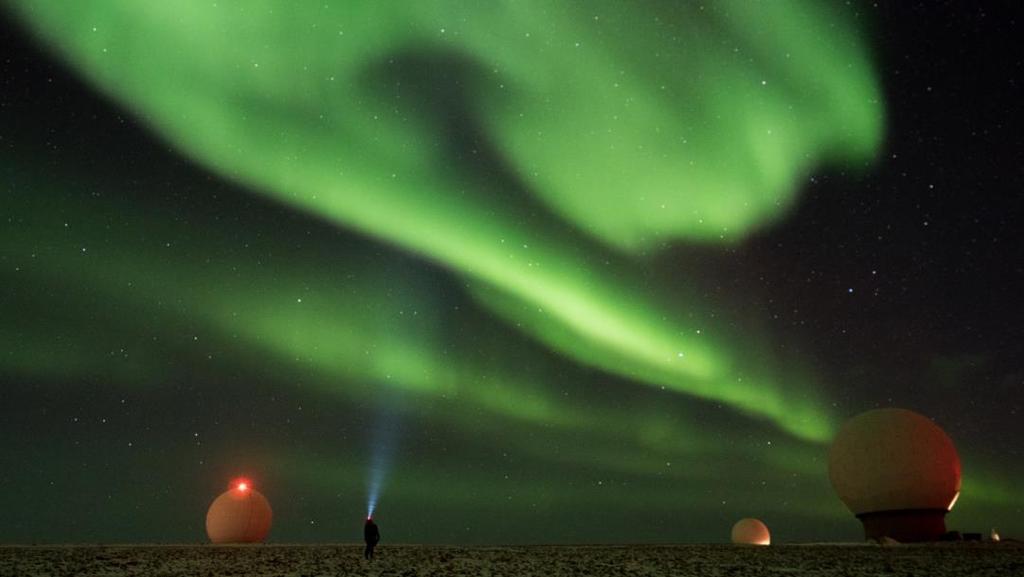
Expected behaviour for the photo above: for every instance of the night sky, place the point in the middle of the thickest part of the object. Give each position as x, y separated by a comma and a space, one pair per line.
531, 272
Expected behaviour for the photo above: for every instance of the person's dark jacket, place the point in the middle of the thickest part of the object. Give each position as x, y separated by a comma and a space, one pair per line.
371, 534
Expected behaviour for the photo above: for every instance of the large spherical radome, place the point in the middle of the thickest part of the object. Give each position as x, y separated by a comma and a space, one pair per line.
891, 460
239, 515
750, 532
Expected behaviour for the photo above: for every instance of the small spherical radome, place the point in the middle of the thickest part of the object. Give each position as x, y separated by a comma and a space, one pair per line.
239, 515
894, 459
750, 532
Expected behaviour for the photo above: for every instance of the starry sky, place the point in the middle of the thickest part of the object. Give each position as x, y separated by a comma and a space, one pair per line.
526, 272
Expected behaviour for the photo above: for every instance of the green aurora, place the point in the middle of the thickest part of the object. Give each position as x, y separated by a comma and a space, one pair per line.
699, 142
531, 158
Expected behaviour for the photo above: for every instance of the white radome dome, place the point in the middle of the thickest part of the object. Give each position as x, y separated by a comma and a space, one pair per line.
750, 531
892, 460
239, 515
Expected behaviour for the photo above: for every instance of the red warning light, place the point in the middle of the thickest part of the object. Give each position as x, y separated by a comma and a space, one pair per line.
241, 484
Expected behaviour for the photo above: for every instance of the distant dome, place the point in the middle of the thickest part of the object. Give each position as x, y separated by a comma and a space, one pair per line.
750, 532
894, 459
239, 515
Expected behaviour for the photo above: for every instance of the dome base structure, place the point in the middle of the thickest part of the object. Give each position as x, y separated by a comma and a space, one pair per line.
905, 525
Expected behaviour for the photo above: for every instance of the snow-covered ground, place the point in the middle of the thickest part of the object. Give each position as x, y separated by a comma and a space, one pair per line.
1002, 559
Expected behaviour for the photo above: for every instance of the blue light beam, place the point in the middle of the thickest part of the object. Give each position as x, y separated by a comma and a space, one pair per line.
382, 451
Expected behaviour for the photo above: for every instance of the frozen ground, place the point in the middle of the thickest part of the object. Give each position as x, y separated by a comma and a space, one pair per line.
1003, 559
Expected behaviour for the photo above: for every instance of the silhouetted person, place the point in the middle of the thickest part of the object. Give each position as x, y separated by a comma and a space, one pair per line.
371, 534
